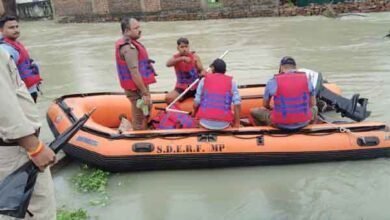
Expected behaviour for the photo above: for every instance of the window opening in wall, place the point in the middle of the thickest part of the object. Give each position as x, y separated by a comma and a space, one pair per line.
214, 3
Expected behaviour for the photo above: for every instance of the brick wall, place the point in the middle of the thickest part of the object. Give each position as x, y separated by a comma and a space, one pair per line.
172, 10
124, 6
230, 3
246, 3
243, 8
9, 7
151, 5
1, 8
72, 7
100, 7
112, 10
180, 4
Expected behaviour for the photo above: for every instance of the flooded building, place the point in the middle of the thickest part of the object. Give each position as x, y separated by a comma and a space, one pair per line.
27, 9
33, 9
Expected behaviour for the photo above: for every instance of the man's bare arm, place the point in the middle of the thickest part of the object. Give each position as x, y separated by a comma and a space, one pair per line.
171, 62
237, 111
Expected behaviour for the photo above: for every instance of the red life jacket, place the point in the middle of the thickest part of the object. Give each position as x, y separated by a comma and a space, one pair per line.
28, 71
144, 66
216, 100
292, 99
186, 73
173, 120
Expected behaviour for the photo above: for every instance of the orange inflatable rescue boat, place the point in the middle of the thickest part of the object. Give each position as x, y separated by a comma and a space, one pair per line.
99, 143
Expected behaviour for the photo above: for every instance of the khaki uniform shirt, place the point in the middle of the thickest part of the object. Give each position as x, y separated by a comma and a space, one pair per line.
133, 53
18, 118
18, 114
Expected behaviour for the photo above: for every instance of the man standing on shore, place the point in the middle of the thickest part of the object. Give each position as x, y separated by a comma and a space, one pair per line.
28, 70
19, 123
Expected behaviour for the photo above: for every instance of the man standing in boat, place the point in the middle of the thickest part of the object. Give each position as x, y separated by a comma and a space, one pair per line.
294, 99
214, 96
188, 68
28, 70
135, 71
19, 123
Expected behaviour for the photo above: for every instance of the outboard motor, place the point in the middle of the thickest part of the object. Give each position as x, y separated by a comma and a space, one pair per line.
354, 108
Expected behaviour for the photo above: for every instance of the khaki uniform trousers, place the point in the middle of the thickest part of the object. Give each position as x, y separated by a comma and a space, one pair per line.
138, 119
262, 116
42, 203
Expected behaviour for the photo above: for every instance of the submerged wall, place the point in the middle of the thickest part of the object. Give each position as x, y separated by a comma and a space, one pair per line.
336, 9
170, 10
112, 10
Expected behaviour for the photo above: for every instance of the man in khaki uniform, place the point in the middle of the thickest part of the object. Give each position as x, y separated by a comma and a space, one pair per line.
19, 121
135, 71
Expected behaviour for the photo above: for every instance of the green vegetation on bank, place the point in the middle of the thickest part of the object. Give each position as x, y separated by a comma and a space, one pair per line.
87, 180
91, 180
80, 214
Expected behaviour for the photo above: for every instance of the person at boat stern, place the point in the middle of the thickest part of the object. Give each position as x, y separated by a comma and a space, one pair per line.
19, 123
214, 97
135, 71
188, 68
28, 69
294, 99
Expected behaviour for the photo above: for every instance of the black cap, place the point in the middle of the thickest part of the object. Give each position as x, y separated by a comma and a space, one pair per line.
287, 61
219, 66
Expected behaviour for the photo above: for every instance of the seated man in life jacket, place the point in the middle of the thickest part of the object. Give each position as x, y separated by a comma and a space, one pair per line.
294, 99
214, 97
188, 68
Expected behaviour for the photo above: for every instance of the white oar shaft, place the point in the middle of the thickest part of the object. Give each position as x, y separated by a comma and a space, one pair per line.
178, 111
168, 108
